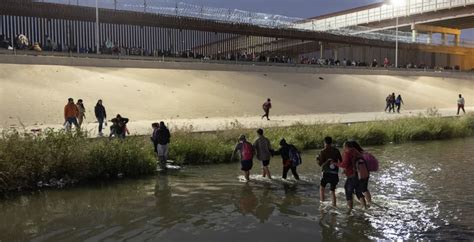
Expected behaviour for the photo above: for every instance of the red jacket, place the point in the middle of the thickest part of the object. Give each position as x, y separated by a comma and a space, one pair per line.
71, 111
348, 159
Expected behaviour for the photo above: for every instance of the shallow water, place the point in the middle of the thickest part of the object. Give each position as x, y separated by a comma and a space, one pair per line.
422, 191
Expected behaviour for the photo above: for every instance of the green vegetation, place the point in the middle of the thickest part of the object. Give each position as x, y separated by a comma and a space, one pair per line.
60, 158
28, 161
216, 147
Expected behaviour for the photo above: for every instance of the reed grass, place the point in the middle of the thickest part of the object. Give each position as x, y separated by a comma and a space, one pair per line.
27, 161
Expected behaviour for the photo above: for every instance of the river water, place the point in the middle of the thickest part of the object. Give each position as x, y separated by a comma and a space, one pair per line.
422, 191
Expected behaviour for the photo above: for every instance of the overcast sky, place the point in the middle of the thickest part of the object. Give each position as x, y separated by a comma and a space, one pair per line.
294, 8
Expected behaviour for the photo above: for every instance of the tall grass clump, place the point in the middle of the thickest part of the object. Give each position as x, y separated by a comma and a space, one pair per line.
216, 147
27, 161
58, 158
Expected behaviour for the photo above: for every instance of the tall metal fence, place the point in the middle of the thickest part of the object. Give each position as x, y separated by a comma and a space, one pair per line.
344, 25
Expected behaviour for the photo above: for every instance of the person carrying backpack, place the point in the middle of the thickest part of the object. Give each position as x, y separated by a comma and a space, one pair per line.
372, 166
353, 165
328, 159
290, 157
246, 152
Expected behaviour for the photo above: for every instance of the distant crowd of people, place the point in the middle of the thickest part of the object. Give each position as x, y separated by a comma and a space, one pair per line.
21, 42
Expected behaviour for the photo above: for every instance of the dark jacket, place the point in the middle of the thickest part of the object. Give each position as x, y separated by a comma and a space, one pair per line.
324, 159
100, 112
284, 152
154, 139
163, 136
118, 126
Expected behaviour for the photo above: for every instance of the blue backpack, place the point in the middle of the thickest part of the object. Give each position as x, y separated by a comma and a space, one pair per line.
295, 156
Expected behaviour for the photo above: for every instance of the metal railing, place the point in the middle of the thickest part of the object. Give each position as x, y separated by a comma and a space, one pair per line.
384, 12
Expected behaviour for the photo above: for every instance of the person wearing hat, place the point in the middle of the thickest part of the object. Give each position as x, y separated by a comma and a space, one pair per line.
246, 152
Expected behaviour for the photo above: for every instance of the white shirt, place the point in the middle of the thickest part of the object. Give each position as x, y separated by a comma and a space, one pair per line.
461, 101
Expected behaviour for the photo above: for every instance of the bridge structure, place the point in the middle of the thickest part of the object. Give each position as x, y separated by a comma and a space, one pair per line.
222, 33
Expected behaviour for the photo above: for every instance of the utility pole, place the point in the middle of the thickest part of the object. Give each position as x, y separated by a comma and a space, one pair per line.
97, 41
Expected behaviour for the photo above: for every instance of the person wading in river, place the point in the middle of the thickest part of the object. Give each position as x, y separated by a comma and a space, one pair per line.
154, 138
163, 139
246, 152
263, 147
349, 162
364, 183
328, 159
286, 152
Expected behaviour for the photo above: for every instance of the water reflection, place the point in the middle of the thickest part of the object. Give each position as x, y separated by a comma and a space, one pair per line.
422, 191
265, 206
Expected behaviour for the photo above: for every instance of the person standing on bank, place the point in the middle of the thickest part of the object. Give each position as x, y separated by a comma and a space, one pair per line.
263, 147
246, 152
70, 115
461, 102
101, 115
82, 112
398, 103
163, 139
266, 108
328, 159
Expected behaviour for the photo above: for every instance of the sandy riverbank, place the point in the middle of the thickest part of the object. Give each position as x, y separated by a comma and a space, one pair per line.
34, 95
142, 127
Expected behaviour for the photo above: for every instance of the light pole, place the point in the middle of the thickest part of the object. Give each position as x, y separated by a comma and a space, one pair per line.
396, 4
97, 41
396, 44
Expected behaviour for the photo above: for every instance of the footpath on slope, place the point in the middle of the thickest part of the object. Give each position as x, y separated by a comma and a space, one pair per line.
143, 127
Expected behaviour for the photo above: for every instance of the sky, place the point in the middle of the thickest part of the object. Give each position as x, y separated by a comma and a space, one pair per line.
295, 8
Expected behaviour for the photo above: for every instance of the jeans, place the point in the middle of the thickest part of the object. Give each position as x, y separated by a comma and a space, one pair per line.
72, 120
101, 122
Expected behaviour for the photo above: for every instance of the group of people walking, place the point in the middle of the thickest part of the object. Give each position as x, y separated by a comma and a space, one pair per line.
393, 102
74, 114
356, 162
263, 150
